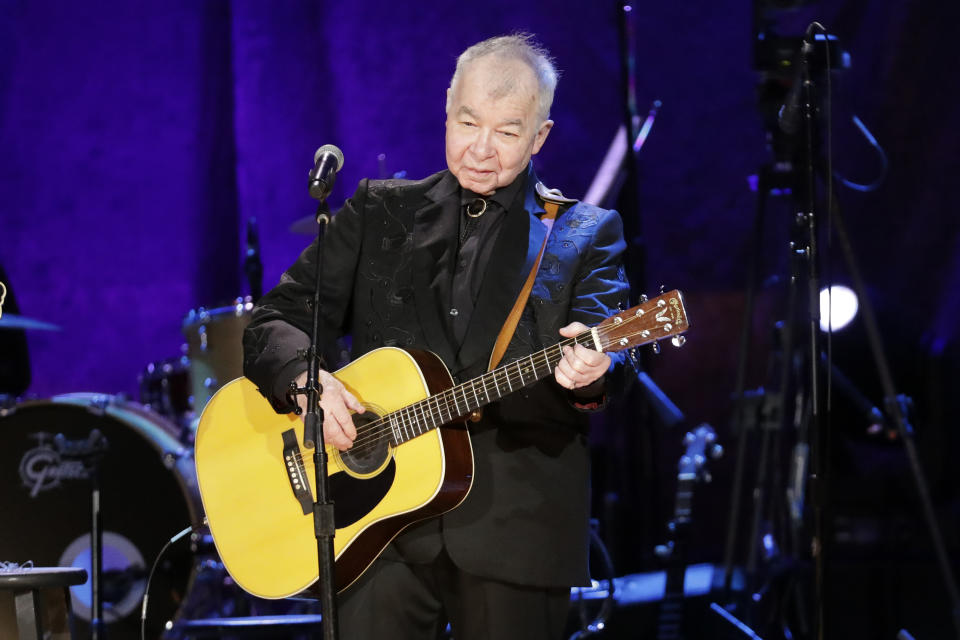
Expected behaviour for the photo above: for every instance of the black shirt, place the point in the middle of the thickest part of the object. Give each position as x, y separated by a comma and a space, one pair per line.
475, 241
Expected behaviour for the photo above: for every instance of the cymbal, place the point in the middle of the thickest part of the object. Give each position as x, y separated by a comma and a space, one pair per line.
13, 321
305, 226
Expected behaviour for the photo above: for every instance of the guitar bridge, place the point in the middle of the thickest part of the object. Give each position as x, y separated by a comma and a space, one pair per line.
296, 473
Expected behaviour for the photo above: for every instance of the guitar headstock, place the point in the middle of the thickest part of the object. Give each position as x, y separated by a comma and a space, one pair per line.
701, 444
650, 321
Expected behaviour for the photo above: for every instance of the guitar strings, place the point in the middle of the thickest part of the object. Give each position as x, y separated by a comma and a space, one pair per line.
433, 407
374, 432
446, 401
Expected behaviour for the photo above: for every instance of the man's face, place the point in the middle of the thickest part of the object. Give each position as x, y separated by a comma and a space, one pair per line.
492, 124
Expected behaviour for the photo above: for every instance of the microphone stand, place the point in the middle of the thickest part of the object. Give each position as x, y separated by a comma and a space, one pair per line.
323, 516
820, 453
252, 265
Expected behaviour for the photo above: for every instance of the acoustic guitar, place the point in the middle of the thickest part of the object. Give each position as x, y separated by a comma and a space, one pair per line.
411, 459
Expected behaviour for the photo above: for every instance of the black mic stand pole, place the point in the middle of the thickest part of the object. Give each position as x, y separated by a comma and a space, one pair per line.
252, 265
323, 520
820, 458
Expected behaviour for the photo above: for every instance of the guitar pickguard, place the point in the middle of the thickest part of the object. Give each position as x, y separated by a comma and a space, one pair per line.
358, 496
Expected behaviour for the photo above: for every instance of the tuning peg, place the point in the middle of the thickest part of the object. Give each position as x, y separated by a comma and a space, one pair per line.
716, 451
643, 297
655, 347
678, 341
662, 288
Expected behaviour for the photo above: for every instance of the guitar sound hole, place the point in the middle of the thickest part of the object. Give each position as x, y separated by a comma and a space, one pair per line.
371, 448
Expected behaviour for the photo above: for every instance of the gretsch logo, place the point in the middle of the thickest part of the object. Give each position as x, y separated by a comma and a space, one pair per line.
42, 468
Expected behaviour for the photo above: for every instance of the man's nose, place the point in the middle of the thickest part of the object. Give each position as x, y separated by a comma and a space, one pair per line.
482, 146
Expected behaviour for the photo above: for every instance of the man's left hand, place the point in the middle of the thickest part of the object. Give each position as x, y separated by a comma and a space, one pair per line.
580, 366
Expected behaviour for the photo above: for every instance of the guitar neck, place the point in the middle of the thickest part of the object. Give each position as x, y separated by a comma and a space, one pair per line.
650, 321
463, 399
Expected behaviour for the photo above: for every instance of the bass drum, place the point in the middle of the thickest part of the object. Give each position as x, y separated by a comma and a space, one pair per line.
148, 493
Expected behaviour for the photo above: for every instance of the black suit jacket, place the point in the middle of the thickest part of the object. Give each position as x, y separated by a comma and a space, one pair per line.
525, 519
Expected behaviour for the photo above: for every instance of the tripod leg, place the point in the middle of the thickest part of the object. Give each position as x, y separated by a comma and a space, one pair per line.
886, 380
752, 278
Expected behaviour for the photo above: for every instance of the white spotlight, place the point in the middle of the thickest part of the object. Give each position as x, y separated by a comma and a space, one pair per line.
838, 307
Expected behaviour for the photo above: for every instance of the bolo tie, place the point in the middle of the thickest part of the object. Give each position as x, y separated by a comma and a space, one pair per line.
475, 208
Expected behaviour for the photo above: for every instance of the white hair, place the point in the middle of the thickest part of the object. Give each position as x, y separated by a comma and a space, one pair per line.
517, 46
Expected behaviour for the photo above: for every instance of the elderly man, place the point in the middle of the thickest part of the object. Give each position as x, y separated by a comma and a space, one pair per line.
437, 264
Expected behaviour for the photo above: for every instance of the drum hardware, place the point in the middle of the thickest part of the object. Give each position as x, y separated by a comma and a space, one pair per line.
14, 321
252, 265
8, 404
90, 452
165, 388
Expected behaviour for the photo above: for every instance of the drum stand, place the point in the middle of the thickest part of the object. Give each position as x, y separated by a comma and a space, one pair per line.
90, 452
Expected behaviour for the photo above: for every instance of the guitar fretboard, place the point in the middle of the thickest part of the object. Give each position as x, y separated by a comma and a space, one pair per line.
461, 400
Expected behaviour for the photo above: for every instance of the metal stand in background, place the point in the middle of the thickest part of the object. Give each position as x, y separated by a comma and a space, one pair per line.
252, 265
89, 453
775, 412
790, 396
812, 444
896, 407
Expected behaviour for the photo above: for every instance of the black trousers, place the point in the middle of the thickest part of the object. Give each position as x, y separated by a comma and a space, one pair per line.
404, 601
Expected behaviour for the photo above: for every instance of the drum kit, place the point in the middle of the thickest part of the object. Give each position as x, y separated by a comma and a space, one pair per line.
178, 388
146, 479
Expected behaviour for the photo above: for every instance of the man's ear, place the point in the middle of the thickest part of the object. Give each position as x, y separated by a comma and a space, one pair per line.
541, 136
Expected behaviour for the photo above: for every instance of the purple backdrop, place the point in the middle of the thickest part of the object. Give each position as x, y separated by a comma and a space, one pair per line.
138, 139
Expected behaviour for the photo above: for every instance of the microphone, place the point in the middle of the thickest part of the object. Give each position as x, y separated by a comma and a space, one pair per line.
326, 162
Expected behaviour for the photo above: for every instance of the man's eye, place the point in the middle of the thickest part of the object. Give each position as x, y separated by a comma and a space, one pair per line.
468, 124
509, 134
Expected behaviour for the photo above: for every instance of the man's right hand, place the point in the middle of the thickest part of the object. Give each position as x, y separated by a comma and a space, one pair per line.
337, 404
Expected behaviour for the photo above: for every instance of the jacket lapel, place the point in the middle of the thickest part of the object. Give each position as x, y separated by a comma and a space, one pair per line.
433, 237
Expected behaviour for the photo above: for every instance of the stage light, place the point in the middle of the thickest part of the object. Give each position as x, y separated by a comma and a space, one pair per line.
838, 306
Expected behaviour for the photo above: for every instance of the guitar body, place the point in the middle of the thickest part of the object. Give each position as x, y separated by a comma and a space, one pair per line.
249, 465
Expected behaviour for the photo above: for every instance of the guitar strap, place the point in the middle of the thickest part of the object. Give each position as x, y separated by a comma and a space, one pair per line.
506, 332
